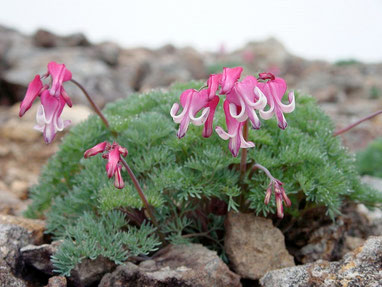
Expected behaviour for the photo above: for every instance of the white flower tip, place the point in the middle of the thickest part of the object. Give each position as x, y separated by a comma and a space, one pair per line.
174, 110
222, 134
201, 119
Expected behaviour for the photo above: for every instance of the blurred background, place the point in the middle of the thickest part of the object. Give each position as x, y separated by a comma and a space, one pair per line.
329, 49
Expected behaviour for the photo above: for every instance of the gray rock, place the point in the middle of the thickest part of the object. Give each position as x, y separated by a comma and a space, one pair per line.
108, 52
324, 243
176, 265
47, 39
12, 238
254, 246
90, 271
84, 274
102, 83
39, 256
7, 279
362, 267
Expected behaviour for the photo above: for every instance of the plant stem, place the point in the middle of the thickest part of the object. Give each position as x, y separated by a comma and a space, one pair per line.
263, 168
142, 196
344, 130
243, 166
92, 103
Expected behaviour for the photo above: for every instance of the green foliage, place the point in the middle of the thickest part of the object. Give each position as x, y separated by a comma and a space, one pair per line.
347, 62
92, 236
369, 161
190, 182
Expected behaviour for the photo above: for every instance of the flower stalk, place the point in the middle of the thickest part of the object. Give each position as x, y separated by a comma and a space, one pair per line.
344, 130
140, 192
92, 103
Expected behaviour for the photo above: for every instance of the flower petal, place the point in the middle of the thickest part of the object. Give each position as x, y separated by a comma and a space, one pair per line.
229, 78
213, 84
112, 162
212, 104
34, 89
59, 74
118, 180
95, 149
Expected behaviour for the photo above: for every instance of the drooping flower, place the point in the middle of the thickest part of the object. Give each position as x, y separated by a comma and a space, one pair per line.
276, 187
113, 155
274, 89
53, 100
229, 78
192, 102
48, 115
248, 97
235, 132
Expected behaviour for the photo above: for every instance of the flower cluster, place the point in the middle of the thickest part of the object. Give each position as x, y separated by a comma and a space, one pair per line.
113, 155
53, 99
242, 100
276, 187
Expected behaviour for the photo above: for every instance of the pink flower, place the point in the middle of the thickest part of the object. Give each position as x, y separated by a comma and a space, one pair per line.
59, 74
276, 186
274, 89
113, 155
35, 88
235, 132
53, 100
48, 116
248, 97
99, 148
192, 102
229, 78
213, 84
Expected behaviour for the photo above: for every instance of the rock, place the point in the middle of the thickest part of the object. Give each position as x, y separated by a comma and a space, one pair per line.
10, 203
34, 227
57, 281
362, 267
254, 246
18, 130
12, 238
20, 188
102, 83
47, 39
84, 274
324, 243
176, 265
108, 52
374, 182
39, 256
374, 216
7, 279
76, 114
90, 271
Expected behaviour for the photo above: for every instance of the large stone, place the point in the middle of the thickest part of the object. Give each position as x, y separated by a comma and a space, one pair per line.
90, 271
34, 227
7, 279
362, 267
254, 246
176, 265
12, 238
39, 256
84, 274
324, 243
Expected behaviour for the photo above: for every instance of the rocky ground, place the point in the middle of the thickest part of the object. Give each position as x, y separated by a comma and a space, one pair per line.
343, 253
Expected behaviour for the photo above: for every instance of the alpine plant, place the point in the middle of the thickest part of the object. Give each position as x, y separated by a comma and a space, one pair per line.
242, 100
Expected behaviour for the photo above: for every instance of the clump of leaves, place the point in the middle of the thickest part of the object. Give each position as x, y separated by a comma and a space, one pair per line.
191, 183
369, 161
